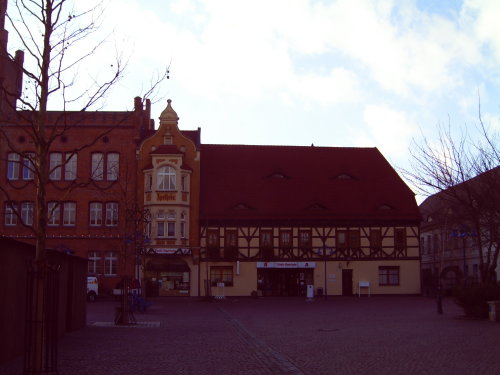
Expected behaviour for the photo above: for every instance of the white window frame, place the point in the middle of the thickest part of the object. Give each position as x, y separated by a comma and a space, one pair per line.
95, 214
160, 229
13, 164
69, 214
170, 230
53, 214
28, 166
55, 166
110, 263
111, 214
27, 213
94, 260
165, 229
70, 167
10, 213
97, 172
112, 166
166, 178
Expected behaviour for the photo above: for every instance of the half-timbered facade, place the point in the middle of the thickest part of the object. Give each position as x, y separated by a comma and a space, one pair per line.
276, 219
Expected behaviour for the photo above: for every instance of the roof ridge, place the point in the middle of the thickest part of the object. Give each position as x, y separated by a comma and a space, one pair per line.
287, 146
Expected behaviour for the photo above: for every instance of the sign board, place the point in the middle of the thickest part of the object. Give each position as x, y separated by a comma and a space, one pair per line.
163, 251
286, 264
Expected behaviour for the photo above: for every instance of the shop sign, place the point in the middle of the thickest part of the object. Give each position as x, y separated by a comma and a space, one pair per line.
286, 264
178, 251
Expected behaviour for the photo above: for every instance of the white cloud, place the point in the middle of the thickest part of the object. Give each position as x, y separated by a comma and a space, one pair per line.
388, 129
484, 15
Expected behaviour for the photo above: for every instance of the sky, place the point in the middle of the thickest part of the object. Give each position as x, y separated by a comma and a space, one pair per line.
346, 73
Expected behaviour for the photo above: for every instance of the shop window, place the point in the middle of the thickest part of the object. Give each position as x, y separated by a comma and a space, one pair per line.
165, 179
10, 213
388, 275
94, 263
110, 263
221, 275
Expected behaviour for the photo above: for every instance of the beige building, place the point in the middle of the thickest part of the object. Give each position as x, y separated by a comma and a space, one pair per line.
277, 220
234, 220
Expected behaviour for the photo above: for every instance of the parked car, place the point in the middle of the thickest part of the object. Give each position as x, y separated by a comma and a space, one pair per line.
92, 288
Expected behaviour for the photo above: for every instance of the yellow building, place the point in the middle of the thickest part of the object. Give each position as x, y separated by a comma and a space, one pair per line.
169, 182
236, 220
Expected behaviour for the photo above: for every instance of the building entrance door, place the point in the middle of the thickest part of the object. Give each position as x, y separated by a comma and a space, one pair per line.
284, 282
347, 282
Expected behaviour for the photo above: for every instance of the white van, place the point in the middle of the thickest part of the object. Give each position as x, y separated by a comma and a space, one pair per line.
92, 288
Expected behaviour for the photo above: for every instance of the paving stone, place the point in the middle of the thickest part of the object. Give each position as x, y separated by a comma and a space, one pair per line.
376, 335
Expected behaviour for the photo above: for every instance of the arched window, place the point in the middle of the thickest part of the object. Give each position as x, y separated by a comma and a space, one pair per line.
165, 178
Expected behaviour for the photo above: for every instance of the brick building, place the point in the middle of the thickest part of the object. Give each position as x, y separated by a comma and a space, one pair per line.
92, 185
190, 219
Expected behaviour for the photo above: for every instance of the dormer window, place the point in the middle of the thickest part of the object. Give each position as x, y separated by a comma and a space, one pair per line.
166, 179
344, 176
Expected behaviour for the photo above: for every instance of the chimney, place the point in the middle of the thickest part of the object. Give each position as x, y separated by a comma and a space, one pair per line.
4, 35
137, 104
19, 62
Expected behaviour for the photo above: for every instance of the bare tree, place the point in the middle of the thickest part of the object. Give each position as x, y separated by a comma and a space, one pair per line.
462, 174
57, 39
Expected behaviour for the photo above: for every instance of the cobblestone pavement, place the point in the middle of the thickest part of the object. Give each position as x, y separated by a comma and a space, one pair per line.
376, 335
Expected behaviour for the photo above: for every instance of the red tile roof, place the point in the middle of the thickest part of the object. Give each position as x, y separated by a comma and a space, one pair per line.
296, 183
